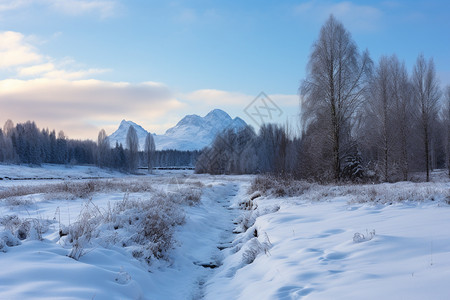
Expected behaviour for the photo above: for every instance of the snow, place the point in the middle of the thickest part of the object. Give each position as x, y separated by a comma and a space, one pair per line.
191, 133
239, 246
18, 175
313, 255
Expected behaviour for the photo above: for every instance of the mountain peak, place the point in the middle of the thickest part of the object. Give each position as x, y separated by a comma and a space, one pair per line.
217, 113
191, 133
119, 136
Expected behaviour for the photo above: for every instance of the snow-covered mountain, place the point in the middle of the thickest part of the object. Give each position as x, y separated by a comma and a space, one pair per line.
191, 133
120, 134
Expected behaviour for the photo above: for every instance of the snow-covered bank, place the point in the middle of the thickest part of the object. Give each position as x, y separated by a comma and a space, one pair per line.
37, 269
328, 242
49, 171
308, 249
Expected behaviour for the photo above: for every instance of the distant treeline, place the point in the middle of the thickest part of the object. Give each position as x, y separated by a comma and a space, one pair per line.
25, 143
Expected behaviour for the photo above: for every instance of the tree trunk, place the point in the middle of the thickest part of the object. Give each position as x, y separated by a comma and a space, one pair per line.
427, 152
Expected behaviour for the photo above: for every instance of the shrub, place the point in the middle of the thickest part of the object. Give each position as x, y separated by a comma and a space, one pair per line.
23, 229
359, 237
144, 227
278, 186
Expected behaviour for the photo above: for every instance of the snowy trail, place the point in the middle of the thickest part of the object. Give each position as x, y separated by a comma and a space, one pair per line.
208, 230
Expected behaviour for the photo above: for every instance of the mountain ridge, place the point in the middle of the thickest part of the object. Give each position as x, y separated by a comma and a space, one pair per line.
192, 132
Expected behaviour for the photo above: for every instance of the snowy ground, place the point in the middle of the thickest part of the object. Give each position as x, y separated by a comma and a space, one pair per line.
307, 250
234, 247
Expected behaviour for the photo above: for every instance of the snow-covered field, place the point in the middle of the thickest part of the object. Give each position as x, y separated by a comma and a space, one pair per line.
388, 241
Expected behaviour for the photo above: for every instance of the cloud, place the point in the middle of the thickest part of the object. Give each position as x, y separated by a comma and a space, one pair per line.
36, 70
16, 54
102, 8
359, 18
6, 5
14, 50
60, 95
235, 103
70, 75
75, 106
217, 97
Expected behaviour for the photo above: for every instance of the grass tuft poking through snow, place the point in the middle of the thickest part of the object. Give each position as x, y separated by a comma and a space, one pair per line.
144, 228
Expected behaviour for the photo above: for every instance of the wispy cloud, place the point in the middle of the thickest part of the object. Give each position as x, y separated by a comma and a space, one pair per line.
14, 50
102, 8
6, 5
16, 54
49, 70
235, 103
357, 17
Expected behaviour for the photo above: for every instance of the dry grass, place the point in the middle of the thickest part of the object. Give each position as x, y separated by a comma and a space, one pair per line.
144, 227
278, 187
76, 189
385, 193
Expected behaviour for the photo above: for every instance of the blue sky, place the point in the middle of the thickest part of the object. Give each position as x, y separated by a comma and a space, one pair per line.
83, 65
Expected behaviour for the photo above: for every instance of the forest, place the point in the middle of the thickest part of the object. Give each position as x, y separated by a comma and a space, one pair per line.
27, 144
360, 120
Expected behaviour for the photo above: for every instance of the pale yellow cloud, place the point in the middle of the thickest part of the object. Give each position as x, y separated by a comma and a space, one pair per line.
78, 106
72, 75
36, 69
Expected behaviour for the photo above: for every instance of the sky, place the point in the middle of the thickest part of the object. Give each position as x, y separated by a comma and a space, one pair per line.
83, 65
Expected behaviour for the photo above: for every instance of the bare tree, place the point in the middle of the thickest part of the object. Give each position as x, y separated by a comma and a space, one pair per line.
427, 93
133, 148
402, 94
380, 107
446, 118
8, 153
334, 85
149, 151
103, 149
8, 128
386, 118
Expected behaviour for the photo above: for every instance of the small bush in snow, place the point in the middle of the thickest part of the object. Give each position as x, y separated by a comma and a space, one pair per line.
253, 248
359, 237
7, 239
144, 227
278, 186
23, 229
190, 195
18, 201
80, 233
